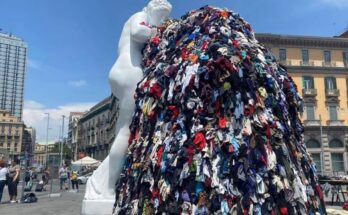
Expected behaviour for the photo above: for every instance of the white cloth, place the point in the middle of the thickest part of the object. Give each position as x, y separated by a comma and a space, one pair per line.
3, 172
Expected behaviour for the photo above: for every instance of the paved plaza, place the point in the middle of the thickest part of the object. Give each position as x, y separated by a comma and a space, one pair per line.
68, 204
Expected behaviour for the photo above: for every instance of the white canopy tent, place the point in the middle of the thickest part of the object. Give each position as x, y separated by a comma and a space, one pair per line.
87, 161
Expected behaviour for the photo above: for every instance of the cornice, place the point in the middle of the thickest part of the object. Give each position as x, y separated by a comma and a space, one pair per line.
317, 70
305, 41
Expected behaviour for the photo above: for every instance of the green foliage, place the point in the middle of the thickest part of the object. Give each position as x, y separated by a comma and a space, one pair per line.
67, 152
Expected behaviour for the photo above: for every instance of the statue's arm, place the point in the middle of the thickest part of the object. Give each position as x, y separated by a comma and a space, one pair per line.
141, 32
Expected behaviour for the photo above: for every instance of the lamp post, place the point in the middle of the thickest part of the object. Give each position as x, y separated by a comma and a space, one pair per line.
61, 143
321, 147
46, 148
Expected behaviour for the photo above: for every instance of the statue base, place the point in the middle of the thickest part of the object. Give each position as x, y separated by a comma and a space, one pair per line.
97, 207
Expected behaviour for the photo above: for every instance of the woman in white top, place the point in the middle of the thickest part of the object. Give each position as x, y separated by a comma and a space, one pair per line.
3, 172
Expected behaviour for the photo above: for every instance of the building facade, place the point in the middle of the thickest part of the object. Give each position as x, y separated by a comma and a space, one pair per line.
319, 67
40, 153
11, 133
93, 131
13, 55
73, 132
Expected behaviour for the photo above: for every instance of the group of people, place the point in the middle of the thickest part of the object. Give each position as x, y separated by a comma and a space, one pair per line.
65, 175
9, 175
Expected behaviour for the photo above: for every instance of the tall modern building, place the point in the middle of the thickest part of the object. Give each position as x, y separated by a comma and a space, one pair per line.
319, 67
13, 55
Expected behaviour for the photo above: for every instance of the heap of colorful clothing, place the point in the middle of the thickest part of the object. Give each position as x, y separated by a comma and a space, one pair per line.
216, 126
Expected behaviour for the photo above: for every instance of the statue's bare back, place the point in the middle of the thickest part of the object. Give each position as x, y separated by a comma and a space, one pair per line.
124, 76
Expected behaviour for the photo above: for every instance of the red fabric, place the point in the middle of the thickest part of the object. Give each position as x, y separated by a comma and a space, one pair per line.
320, 193
222, 122
156, 40
190, 152
284, 211
155, 90
159, 155
131, 138
175, 111
205, 45
200, 141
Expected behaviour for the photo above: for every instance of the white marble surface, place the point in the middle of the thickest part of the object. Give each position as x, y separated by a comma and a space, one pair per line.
123, 77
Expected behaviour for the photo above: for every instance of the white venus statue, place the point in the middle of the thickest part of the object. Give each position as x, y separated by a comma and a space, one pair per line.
124, 76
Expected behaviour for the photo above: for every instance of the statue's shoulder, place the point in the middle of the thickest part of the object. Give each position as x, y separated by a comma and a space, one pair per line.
138, 15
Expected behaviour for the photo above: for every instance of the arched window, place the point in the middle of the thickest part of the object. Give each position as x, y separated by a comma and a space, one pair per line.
335, 143
312, 144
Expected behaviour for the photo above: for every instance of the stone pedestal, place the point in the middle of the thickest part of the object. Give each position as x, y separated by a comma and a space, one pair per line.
97, 207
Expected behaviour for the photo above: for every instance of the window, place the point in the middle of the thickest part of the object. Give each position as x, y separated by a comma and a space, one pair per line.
312, 144
310, 112
335, 143
330, 83
308, 82
337, 162
345, 58
317, 161
282, 54
327, 56
333, 112
305, 55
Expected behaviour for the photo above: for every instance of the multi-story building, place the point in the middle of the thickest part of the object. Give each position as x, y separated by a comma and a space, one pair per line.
93, 130
319, 67
40, 153
11, 133
13, 55
113, 116
73, 132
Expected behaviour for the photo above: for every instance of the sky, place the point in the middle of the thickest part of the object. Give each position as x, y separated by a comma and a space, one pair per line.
72, 44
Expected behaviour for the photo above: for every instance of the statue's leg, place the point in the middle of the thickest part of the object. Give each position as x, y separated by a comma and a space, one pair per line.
117, 155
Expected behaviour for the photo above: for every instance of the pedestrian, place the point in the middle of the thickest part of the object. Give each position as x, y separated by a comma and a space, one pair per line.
13, 179
74, 181
3, 173
45, 178
63, 176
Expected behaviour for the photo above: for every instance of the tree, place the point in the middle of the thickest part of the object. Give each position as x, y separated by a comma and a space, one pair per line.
67, 153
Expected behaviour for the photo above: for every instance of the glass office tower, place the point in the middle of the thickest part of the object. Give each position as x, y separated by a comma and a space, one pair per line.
13, 56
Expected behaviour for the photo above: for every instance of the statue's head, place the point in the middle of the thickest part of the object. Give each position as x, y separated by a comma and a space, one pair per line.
158, 11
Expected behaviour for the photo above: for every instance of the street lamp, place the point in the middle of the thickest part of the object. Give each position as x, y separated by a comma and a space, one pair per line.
46, 148
61, 143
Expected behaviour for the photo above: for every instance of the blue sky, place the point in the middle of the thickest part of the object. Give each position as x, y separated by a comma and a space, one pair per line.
72, 43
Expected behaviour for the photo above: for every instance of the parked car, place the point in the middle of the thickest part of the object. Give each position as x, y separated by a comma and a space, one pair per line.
83, 178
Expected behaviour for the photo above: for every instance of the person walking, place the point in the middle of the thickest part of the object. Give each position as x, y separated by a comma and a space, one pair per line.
45, 178
13, 179
3, 173
63, 176
74, 181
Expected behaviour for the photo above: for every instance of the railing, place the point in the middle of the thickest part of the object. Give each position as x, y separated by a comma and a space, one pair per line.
309, 92
329, 64
333, 92
335, 122
307, 63
311, 122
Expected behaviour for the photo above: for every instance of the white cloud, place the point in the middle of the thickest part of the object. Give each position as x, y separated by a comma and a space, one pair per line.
35, 65
336, 3
79, 83
34, 115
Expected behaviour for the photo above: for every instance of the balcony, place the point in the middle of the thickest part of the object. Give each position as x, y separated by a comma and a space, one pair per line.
309, 92
306, 63
286, 62
335, 122
332, 92
329, 64
311, 122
